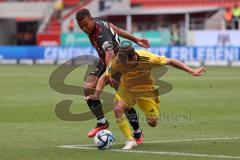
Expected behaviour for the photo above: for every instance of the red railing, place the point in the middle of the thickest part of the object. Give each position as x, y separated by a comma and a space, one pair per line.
51, 34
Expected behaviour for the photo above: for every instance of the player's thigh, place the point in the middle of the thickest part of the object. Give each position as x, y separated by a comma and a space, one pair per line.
98, 70
90, 84
119, 107
92, 79
123, 94
150, 106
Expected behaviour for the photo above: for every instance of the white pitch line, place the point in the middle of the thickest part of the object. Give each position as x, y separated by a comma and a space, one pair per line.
192, 140
166, 141
158, 152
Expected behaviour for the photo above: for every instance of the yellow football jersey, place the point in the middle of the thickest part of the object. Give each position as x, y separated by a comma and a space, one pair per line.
137, 76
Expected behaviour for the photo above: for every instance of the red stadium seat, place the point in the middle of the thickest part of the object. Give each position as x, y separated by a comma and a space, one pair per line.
54, 25
71, 2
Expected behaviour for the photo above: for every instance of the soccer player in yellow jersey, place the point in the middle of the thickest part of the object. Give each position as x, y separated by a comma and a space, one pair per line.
137, 85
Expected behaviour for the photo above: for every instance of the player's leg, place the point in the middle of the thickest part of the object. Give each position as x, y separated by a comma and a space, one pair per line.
119, 108
149, 103
152, 120
150, 108
132, 117
95, 105
122, 101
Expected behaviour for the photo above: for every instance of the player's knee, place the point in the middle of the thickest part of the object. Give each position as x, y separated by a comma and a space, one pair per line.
89, 85
118, 111
152, 122
88, 89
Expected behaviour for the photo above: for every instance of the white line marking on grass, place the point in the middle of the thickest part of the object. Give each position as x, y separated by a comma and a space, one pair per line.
192, 140
157, 152
90, 147
166, 141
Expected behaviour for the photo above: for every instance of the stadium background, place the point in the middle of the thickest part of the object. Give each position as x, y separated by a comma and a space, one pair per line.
38, 35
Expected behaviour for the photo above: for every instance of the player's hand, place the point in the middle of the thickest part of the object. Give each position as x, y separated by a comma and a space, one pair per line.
143, 42
91, 97
199, 71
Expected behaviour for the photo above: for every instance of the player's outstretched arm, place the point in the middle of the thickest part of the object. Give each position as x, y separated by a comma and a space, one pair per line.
140, 41
178, 64
100, 85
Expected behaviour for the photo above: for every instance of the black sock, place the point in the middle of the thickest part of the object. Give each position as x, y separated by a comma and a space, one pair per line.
131, 114
96, 108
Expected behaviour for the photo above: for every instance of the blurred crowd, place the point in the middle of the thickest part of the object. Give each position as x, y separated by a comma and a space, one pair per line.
232, 17
174, 29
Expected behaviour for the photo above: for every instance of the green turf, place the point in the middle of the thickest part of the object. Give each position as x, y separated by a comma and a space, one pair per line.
197, 108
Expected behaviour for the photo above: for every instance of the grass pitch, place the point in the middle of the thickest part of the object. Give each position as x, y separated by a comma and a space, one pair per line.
195, 110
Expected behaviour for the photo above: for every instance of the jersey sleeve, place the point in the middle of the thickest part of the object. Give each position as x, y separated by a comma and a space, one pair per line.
157, 60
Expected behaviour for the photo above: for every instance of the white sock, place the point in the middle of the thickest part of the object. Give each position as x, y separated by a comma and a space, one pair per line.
102, 120
138, 130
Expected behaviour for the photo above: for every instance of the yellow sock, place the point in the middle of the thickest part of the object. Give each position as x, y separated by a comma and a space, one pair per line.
124, 127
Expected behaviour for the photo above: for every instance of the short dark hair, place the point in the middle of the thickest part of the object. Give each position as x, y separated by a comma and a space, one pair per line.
81, 14
126, 50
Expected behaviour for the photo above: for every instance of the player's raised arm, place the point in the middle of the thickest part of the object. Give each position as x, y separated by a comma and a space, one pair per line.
178, 64
140, 41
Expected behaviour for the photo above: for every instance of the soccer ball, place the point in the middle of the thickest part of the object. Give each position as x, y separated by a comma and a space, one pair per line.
104, 139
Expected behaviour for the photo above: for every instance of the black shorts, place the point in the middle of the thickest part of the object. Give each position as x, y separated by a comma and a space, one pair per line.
98, 70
